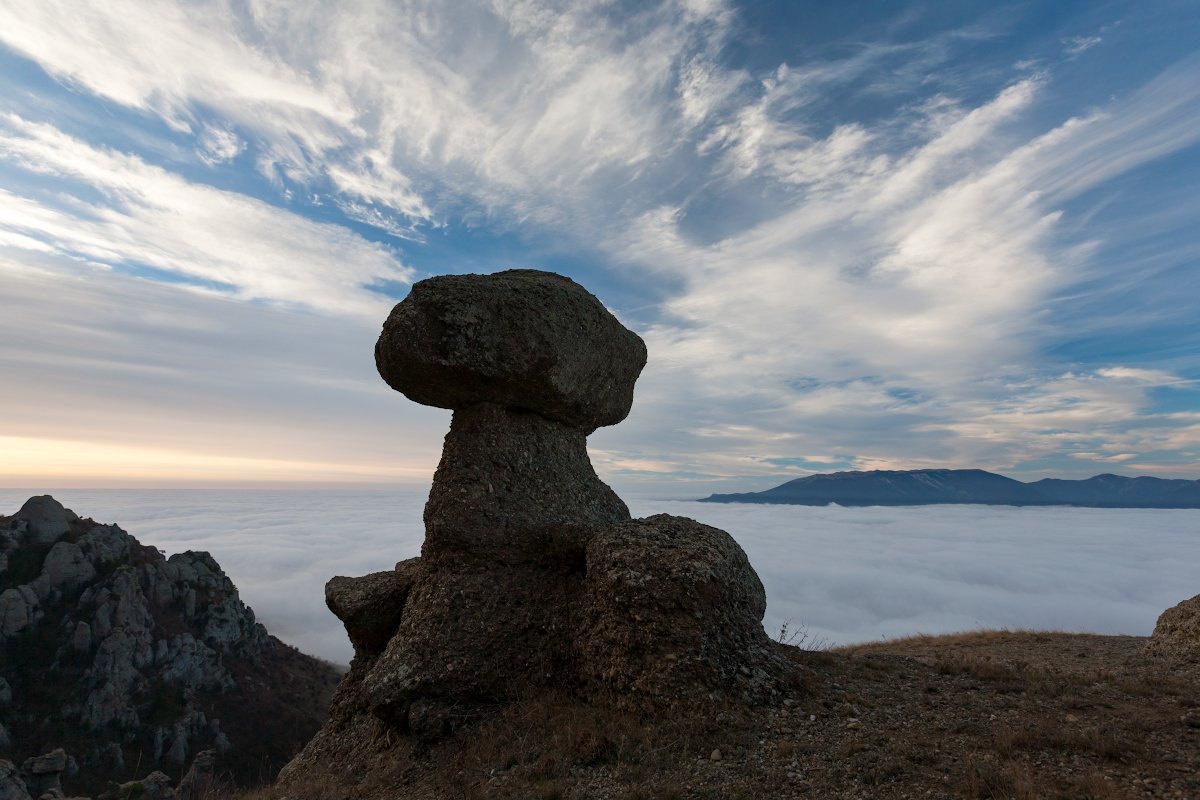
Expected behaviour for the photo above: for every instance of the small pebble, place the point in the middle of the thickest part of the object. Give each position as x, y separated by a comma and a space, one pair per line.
715, 755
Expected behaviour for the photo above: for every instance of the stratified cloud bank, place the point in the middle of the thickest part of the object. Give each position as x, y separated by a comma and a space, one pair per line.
847, 574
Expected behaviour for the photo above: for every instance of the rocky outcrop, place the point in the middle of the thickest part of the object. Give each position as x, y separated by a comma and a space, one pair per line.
126, 657
1177, 632
11, 785
42, 520
44, 774
532, 574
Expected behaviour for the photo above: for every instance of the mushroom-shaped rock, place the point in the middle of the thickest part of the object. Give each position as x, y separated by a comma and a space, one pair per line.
532, 575
1178, 630
522, 339
47, 519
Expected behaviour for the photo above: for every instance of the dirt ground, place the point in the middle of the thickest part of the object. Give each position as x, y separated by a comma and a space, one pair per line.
992, 714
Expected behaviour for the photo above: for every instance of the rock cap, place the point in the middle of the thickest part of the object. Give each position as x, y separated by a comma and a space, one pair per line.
523, 339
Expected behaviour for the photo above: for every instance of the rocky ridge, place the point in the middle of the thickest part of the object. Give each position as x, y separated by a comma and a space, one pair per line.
127, 659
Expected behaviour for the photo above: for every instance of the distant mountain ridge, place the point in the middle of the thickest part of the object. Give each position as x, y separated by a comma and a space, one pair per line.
917, 487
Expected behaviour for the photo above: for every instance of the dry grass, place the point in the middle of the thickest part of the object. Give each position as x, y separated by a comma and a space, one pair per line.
996, 714
988, 636
533, 747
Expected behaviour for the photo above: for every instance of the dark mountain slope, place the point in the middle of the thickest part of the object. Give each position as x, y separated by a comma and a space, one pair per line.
1117, 491
131, 661
950, 486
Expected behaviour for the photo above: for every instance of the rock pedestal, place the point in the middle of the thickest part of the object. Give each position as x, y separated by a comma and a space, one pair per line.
532, 574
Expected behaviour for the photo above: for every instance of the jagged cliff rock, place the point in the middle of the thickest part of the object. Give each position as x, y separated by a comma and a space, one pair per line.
532, 575
128, 659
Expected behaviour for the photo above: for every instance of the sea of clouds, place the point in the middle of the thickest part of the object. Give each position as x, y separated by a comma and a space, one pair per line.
844, 574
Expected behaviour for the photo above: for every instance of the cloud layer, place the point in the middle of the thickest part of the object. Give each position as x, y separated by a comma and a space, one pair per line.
848, 575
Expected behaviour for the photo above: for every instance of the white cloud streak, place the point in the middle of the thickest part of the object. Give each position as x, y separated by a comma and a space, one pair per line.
909, 291
155, 218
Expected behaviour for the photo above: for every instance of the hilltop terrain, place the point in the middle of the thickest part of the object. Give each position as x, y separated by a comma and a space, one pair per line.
545, 646
975, 716
941, 486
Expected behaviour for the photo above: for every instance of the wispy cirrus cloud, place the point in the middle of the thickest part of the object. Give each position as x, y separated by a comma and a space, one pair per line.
870, 247
114, 208
503, 102
900, 304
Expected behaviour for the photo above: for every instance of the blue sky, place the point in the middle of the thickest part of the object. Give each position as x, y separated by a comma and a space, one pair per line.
853, 235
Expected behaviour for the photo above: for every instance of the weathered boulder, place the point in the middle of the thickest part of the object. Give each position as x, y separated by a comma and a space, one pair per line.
1177, 632
64, 568
19, 608
200, 779
155, 786
672, 612
11, 785
43, 774
371, 606
522, 339
46, 519
470, 636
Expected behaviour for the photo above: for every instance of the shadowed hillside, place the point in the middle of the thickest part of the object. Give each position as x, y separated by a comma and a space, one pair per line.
132, 662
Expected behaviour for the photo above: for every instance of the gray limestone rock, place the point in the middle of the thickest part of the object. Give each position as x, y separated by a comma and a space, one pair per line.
81, 637
199, 781
44, 773
138, 638
155, 786
46, 519
522, 339
105, 544
65, 568
371, 606
19, 608
672, 612
514, 487
1177, 632
11, 785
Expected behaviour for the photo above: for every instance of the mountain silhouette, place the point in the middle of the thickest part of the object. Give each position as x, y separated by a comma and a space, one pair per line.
917, 487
